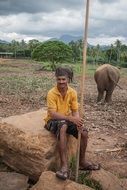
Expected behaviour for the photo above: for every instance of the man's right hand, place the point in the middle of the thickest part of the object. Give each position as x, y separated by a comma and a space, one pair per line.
76, 120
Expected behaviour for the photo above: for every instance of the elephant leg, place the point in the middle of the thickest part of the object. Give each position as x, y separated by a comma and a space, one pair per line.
100, 95
108, 97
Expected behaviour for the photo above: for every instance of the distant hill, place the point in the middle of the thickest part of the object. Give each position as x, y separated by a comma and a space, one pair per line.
105, 47
66, 38
3, 42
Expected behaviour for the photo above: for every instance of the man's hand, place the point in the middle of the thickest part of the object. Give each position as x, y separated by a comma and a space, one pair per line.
76, 120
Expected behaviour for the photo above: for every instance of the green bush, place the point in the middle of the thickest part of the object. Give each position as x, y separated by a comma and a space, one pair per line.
53, 52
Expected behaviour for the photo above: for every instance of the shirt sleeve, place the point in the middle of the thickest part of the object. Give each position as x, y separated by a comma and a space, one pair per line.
51, 102
74, 102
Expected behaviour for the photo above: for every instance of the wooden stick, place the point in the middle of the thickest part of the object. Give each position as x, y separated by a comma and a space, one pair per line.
108, 150
82, 85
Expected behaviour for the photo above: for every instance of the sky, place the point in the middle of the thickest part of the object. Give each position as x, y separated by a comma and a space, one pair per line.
44, 19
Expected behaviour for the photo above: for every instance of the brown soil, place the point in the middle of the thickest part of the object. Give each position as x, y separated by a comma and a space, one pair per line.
107, 123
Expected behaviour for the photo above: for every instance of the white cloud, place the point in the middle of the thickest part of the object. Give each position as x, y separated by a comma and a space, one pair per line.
41, 20
115, 11
50, 25
106, 40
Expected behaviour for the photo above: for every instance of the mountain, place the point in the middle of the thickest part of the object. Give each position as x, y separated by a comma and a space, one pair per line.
3, 42
66, 38
105, 47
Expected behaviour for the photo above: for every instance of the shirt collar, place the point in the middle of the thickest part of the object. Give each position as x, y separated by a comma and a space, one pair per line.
57, 91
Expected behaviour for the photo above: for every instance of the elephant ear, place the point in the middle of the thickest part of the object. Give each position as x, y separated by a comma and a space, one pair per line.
113, 75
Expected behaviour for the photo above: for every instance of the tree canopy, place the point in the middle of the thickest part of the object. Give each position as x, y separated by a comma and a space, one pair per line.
52, 51
55, 52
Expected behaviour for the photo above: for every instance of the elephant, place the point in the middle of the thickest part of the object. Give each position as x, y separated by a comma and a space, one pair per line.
106, 77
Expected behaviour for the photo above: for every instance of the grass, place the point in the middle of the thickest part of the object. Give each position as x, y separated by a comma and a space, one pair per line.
83, 177
22, 81
9, 69
17, 84
123, 72
77, 67
90, 69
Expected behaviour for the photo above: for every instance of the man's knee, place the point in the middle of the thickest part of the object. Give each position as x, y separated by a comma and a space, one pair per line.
63, 128
84, 133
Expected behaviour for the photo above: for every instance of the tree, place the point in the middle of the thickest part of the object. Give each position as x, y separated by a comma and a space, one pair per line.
80, 48
53, 51
75, 51
32, 44
97, 52
15, 46
111, 54
118, 49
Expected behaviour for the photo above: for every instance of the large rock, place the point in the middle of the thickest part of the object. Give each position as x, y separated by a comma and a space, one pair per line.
107, 180
27, 147
49, 181
123, 183
13, 181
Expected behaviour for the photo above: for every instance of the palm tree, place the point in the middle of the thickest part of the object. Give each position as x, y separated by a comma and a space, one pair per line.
15, 46
80, 48
118, 49
97, 50
111, 52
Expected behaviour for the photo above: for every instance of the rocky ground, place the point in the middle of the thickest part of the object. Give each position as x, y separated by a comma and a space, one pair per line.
107, 123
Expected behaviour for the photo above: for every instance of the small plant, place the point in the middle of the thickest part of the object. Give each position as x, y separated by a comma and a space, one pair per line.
72, 167
72, 164
84, 179
83, 176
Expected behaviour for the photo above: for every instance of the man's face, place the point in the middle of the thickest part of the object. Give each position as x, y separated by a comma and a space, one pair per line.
62, 81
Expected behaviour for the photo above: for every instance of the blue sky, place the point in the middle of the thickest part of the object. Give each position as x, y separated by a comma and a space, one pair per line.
44, 19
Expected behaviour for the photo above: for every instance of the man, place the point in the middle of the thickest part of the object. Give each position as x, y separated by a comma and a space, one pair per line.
63, 118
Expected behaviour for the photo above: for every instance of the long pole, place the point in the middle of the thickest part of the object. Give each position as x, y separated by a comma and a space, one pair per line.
82, 84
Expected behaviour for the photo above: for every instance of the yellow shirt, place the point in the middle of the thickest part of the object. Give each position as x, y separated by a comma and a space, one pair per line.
64, 106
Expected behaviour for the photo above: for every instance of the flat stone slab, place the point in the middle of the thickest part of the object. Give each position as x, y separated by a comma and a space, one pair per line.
107, 180
32, 122
49, 181
27, 147
13, 181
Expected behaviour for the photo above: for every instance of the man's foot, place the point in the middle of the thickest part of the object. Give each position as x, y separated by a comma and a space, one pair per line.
62, 174
90, 166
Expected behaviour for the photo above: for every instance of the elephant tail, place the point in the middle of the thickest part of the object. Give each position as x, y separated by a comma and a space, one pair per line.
118, 85
113, 78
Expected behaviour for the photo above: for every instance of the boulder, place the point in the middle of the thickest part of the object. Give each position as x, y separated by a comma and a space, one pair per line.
13, 181
49, 181
27, 147
123, 183
107, 180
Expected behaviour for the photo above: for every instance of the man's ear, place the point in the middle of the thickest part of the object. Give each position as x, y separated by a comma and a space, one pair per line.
68, 79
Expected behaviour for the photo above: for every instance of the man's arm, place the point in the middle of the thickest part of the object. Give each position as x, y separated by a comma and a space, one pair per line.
73, 118
56, 115
77, 119
75, 113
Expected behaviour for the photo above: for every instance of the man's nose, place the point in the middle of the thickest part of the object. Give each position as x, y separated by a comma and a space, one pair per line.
61, 81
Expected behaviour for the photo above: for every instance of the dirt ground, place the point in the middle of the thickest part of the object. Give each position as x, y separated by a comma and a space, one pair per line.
107, 123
